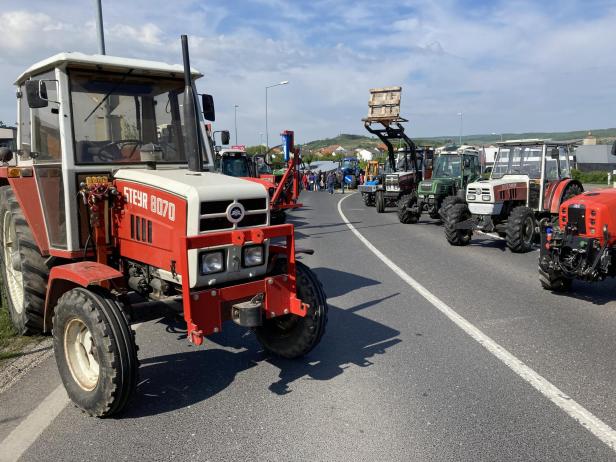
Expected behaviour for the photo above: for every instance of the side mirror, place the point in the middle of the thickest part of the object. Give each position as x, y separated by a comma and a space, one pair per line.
614, 149
36, 94
225, 137
6, 155
554, 152
207, 104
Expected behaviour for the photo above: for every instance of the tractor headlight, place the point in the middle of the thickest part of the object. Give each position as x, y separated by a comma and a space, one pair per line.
431, 196
213, 262
471, 197
421, 196
252, 255
485, 197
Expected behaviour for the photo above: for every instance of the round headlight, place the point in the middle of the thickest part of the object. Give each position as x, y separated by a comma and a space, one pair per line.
253, 255
212, 262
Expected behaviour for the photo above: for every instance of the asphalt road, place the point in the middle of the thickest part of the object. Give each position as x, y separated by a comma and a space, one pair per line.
393, 379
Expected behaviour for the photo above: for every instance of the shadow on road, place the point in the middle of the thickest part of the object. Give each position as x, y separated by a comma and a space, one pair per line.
337, 283
179, 380
598, 293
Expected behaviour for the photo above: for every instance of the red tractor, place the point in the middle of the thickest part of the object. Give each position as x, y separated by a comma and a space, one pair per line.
111, 200
581, 243
283, 194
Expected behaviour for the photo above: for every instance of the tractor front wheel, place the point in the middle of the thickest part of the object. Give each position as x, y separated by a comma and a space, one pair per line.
447, 203
380, 201
95, 351
24, 272
405, 214
457, 213
520, 231
291, 336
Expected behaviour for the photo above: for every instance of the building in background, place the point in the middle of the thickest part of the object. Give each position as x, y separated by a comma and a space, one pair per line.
594, 157
7, 137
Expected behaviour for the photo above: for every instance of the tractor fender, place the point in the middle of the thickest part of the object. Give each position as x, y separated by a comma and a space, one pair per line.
557, 196
63, 278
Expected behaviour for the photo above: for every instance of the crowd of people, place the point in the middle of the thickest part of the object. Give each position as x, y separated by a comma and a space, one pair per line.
321, 181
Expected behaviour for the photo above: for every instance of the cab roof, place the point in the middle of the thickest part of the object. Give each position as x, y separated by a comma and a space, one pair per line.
536, 141
105, 62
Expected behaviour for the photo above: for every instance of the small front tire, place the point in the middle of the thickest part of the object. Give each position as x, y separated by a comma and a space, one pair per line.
521, 230
380, 201
291, 336
405, 204
95, 351
456, 214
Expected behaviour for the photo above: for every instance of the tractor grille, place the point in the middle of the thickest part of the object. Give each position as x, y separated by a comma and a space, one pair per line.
214, 214
478, 191
426, 186
576, 218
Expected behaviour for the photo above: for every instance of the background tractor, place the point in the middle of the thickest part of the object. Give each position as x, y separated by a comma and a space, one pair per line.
581, 243
404, 170
349, 171
372, 178
284, 194
112, 201
529, 181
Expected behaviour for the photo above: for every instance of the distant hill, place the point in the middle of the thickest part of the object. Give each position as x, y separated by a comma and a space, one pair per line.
350, 141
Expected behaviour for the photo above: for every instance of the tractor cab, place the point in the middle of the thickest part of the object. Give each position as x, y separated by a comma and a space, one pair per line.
82, 116
235, 163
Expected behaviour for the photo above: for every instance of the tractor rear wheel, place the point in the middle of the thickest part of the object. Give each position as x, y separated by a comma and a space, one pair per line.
353, 184
291, 336
24, 272
554, 280
520, 230
405, 215
380, 201
457, 213
447, 203
95, 351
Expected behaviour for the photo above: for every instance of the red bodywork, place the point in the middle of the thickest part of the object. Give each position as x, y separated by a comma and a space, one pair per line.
554, 195
600, 210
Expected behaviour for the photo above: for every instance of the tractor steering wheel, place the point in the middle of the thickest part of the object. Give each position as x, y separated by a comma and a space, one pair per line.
108, 155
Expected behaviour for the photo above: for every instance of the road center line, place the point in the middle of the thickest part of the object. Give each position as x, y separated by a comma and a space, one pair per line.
584, 417
27, 432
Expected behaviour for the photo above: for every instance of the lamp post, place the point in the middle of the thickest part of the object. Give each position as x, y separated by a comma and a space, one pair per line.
460, 141
284, 82
235, 108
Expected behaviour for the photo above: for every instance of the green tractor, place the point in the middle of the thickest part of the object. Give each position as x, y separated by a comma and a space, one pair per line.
451, 173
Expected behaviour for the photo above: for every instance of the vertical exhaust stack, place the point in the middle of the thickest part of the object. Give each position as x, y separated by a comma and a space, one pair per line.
191, 120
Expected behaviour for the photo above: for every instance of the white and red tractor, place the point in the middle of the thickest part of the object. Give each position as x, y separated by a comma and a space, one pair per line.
529, 181
112, 199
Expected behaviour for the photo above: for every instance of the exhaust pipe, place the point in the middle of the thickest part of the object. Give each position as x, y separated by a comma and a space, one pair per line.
192, 145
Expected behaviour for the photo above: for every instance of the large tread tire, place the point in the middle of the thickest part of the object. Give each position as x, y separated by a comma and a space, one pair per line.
572, 190
292, 336
27, 320
521, 230
405, 215
380, 202
114, 348
554, 281
457, 213
447, 203
353, 184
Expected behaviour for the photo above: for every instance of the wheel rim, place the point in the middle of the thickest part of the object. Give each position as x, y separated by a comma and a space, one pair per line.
80, 353
14, 278
528, 230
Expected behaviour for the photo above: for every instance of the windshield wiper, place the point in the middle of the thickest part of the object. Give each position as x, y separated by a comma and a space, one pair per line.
109, 94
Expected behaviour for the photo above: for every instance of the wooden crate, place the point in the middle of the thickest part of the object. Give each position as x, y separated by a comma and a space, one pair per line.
384, 103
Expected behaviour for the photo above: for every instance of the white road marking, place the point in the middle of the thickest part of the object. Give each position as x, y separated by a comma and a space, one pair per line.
27, 432
580, 414
496, 236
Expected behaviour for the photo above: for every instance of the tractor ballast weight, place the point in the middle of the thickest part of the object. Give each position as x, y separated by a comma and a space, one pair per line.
404, 171
113, 201
529, 181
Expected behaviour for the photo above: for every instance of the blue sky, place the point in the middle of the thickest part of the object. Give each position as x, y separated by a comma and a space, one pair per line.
509, 66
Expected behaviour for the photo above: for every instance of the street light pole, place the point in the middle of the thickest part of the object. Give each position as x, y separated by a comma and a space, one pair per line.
235, 107
460, 141
284, 82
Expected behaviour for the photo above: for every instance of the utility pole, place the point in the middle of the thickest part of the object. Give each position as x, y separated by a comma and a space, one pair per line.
99, 27
284, 82
460, 114
235, 107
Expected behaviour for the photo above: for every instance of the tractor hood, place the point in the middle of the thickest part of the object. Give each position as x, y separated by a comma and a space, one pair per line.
497, 182
436, 185
204, 186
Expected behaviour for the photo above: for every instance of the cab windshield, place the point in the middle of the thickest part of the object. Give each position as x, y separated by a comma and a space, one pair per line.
120, 118
235, 166
447, 166
518, 160
349, 163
